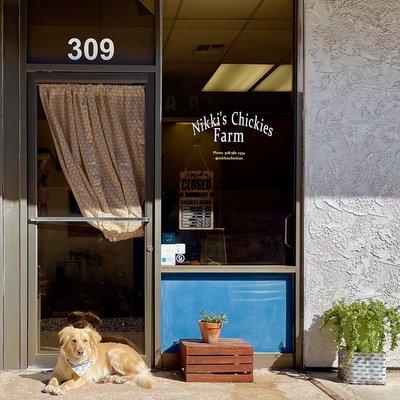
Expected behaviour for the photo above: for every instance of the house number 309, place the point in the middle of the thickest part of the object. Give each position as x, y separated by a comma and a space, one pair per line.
91, 49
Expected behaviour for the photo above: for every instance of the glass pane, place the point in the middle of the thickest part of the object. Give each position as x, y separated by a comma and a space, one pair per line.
228, 139
79, 270
54, 196
52, 23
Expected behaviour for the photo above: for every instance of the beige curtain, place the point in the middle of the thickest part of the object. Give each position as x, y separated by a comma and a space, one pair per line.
99, 135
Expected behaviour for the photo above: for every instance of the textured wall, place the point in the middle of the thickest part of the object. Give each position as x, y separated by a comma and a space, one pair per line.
352, 159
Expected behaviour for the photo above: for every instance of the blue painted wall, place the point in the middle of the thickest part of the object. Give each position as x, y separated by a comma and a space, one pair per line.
259, 307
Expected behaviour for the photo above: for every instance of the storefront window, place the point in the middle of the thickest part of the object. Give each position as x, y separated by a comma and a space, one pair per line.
228, 140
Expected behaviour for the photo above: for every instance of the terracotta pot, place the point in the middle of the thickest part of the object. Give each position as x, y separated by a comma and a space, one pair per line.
210, 331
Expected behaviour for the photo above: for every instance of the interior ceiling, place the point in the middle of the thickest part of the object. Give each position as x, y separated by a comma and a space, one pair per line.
252, 31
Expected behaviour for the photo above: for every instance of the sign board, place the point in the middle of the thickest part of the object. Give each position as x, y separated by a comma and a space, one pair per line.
196, 200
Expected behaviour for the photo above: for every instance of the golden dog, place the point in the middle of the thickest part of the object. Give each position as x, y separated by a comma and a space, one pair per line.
84, 359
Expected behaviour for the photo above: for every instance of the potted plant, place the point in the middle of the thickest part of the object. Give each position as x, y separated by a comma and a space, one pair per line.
210, 326
361, 330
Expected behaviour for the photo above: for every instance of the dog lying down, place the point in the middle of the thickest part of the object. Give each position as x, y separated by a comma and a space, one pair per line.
84, 359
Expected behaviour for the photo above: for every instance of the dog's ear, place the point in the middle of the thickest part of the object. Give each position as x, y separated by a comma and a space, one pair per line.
65, 333
74, 317
94, 336
93, 319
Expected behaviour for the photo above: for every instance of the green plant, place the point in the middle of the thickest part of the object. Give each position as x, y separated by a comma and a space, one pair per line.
211, 317
363, 326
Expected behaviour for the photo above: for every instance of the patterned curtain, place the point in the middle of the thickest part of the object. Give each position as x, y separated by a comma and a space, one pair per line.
99, 135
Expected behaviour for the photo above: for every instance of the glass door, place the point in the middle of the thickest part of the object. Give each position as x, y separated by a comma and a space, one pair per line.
90, 208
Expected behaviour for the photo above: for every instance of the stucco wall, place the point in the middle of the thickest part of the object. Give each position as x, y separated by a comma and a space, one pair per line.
352, 159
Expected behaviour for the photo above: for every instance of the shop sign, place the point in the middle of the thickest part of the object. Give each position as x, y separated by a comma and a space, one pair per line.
196, 200
236, 120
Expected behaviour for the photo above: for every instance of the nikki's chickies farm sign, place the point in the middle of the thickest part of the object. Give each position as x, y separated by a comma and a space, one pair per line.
237, 119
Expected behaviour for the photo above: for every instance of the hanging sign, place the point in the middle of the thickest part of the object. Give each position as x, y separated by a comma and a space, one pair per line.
196, 200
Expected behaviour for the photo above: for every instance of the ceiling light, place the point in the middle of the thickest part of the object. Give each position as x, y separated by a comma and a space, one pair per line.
279, 80
236, 77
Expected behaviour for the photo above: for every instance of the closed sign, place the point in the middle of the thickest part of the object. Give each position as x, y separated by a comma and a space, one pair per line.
196, 200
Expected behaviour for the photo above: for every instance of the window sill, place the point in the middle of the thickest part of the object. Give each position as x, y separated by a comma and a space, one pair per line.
228, 268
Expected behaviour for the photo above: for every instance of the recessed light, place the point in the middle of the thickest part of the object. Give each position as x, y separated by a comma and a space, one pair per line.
236, 77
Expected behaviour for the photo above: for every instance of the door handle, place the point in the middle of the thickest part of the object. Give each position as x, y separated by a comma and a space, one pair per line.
286, 231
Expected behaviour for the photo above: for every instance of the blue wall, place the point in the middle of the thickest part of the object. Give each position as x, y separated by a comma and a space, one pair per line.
259, 307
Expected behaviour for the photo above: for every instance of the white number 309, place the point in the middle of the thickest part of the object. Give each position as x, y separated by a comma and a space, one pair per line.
91, 49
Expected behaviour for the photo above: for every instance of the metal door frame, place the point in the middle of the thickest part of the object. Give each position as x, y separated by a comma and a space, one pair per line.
15, 70
35, 358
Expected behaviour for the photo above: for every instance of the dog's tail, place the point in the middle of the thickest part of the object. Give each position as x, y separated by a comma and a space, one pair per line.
145, 379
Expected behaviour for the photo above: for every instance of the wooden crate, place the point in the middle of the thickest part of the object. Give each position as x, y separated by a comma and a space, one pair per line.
229, 360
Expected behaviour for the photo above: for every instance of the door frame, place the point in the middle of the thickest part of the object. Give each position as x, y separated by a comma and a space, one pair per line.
13, 130
43, 359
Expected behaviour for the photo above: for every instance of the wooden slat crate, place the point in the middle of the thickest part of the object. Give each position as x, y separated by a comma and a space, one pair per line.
229, 360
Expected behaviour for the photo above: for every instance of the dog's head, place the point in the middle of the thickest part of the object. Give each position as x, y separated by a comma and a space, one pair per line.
81, 319
78, 344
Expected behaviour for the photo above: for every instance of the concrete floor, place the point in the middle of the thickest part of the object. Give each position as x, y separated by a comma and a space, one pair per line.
267, 385
329, 382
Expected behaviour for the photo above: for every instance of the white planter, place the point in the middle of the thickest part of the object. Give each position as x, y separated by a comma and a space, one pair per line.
362, 368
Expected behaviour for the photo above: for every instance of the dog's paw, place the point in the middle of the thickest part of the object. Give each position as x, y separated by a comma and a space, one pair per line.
120, 379
104, 379
54, 390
